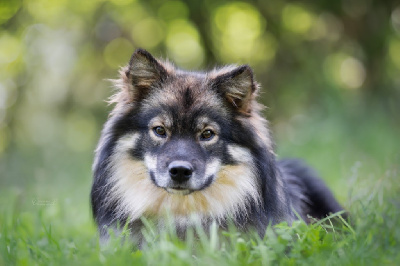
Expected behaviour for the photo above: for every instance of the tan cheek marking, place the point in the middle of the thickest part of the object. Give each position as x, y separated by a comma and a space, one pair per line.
224, 178
180, 205
138, 195
133, 188
234, 183
226, 196
131, 184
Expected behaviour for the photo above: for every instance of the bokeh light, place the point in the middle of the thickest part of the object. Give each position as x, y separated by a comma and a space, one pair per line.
8, 9
80, 131
184, 44
148, 33
395, 17
117, 51
239, 34
171, 10
394, 51
297, 19
46, 10
352, 73
10, 48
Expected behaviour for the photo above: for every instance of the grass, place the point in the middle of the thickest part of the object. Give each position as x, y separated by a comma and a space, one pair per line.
373, 238
45, 216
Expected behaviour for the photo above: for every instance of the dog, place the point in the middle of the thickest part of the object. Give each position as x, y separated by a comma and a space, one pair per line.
194, 144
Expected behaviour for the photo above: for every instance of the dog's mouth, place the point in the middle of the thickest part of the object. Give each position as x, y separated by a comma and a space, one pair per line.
185, 189
178, 191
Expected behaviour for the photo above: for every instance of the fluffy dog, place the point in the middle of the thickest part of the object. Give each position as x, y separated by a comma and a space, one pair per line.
194, 144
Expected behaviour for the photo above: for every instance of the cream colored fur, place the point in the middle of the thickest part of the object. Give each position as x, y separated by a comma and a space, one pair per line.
138, 196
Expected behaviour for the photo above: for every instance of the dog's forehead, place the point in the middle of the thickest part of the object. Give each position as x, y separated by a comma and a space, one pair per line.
186, 103
185, 93
186, 85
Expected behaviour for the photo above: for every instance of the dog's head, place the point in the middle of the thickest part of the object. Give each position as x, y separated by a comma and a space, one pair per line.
183, 140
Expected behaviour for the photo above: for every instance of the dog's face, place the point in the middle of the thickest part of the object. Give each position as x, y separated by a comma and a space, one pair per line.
184, 151
186, 136
183, 139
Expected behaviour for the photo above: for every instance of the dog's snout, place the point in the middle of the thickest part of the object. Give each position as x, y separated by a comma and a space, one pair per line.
180, 171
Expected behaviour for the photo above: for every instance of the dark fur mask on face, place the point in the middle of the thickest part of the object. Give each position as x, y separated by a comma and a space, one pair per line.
195, 143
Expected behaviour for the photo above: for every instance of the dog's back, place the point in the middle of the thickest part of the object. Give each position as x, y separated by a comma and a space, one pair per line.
309, 194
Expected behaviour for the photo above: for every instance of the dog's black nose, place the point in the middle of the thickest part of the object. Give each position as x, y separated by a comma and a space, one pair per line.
180, 171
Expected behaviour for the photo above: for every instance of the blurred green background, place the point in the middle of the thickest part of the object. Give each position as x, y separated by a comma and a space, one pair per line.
330, 73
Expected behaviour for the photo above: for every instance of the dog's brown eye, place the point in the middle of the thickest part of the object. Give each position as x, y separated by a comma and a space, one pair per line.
160, 131
207, 134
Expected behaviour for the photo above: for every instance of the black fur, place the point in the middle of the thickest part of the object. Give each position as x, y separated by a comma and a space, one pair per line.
308, 189
287, 188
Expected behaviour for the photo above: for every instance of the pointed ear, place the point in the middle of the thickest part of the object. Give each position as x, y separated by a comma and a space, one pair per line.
238, 87
142, 74
144, 70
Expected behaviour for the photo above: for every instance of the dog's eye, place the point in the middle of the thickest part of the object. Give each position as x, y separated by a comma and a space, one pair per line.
160, 131
207, 134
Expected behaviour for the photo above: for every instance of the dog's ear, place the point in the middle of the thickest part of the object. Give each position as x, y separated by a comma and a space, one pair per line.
238, 87
142, 74
144, 70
